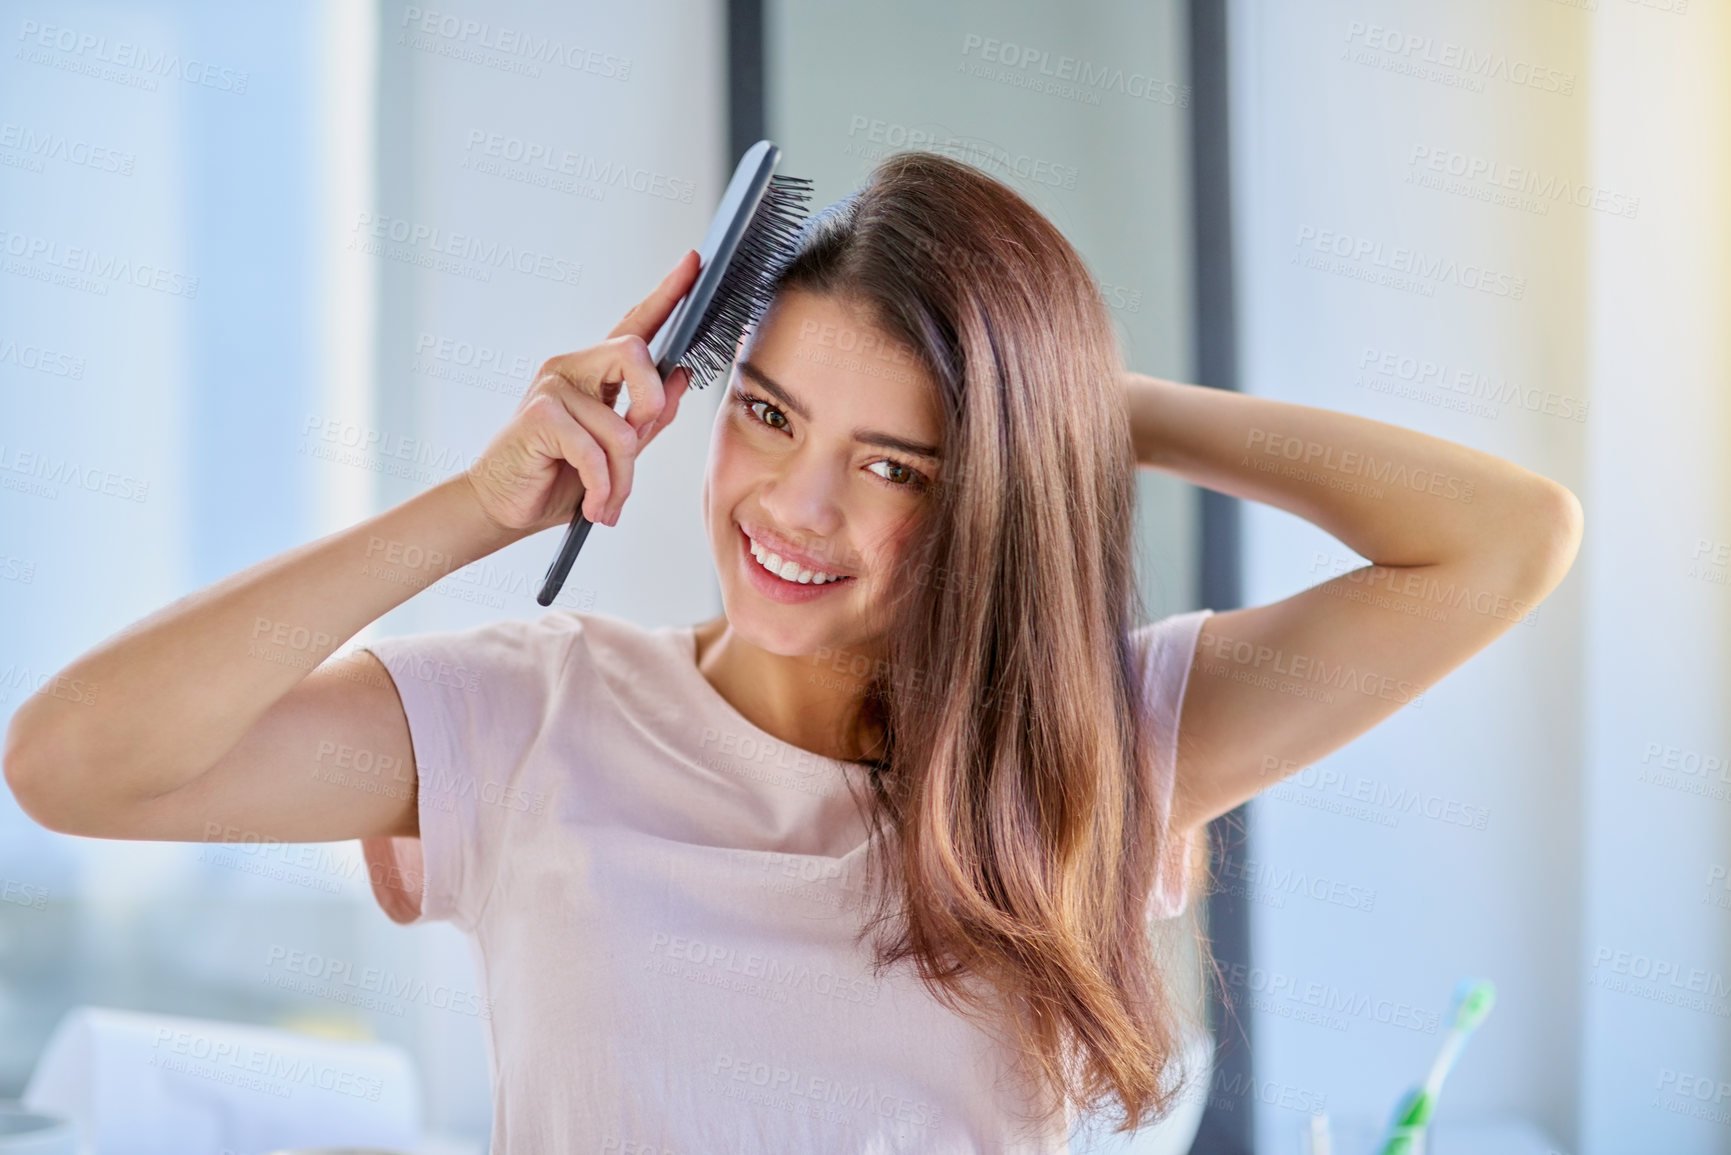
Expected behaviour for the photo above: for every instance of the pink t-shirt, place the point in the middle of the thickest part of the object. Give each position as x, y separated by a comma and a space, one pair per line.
657, 893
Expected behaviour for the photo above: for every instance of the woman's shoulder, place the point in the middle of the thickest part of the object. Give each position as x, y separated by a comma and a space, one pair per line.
1169, 641
615, 643
507, 654
1165, 650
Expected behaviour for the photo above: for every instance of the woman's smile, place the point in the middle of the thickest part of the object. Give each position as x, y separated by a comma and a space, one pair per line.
788, 591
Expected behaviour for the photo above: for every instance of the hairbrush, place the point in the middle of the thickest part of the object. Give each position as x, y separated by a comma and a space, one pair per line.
750, 240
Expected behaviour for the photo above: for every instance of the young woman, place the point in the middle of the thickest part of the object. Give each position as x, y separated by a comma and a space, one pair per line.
867, 862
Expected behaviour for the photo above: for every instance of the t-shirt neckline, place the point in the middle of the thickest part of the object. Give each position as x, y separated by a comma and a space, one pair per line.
687, 637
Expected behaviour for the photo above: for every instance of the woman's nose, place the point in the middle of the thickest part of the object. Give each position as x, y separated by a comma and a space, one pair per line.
805, 495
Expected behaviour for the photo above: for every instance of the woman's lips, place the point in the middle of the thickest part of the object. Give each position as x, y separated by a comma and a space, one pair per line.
778, 588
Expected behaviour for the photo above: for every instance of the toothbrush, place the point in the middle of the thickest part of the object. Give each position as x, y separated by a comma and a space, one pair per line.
1321, 1137
1472, 1002
751, 237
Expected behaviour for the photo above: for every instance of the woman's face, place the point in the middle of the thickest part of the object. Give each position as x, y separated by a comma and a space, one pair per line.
821, 451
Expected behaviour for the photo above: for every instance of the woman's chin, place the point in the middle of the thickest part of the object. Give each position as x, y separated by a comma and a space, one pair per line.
767, 627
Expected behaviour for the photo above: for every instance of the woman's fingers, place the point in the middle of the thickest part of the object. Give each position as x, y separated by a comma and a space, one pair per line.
621, 444
596, 443
604, 433
567, 416
645, 318
599, 371
672, 390
579, 448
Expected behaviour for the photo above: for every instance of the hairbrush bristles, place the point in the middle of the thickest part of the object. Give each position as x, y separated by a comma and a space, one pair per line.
748, 282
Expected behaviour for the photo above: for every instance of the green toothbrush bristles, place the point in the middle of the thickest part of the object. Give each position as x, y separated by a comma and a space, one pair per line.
1473, 1002
1415, 1110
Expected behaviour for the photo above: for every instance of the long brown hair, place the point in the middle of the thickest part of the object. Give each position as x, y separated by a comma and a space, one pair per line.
1010, 800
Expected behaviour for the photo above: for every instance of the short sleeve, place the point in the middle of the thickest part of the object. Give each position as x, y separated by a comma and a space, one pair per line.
476, 699
1168, 649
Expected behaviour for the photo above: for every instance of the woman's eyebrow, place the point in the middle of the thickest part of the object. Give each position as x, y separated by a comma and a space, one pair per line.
865, 436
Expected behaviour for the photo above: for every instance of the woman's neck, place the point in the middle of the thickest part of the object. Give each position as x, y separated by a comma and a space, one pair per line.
783, 696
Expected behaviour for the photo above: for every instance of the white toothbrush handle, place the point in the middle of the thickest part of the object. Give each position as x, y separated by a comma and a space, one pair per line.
1321, 1140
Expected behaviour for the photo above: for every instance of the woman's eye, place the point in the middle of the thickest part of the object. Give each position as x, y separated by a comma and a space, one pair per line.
752, 406
902, 476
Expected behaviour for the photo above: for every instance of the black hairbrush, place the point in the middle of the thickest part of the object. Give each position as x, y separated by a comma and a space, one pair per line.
749, 241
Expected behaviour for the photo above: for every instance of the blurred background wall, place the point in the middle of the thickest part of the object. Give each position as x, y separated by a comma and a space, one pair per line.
1503, 224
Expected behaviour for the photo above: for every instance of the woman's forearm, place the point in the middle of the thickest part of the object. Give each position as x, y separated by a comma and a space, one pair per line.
154, 706
1396, 496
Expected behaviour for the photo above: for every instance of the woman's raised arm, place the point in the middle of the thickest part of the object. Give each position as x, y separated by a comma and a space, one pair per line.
218, 719
1462, 545
218, 712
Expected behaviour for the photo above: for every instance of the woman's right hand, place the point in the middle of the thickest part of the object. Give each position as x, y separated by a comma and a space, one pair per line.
565, 443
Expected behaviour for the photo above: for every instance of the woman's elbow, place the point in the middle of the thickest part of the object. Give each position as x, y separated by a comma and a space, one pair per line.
1554, 538
29, 766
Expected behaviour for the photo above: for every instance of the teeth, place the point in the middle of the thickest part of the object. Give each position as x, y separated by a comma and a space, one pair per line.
789, 570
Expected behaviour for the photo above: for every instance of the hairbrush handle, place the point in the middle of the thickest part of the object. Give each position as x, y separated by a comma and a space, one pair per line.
711, 294
555, 580
580, 526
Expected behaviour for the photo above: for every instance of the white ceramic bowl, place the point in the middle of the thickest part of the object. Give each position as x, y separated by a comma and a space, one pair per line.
25, 1132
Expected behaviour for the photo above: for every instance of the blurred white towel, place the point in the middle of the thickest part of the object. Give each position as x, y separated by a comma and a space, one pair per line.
141, 1084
